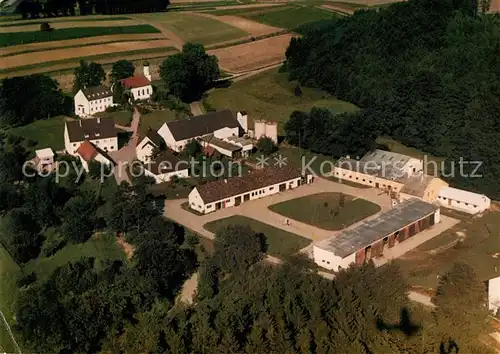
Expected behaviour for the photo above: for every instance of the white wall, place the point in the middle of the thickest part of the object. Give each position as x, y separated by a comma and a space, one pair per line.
329, 260
100, 105
142, 93
413, 166
108, 144
167, 136
144, 150
466, 206
165, 177
82, 107
494, 294
197, 203
99, 158
243, 120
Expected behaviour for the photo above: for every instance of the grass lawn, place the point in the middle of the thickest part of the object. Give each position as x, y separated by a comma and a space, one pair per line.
270, 96
293, 17
429, 161
280, 242
102, 248
155, 120
120, 117
477, 242
196, 29
9, 272
47, 132
320, 208
248, 11
15, 38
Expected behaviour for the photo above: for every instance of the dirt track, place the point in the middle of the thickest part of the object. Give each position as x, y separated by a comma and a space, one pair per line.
251, 27
77, 42
60, 54
337, 9
253, 55
74, 24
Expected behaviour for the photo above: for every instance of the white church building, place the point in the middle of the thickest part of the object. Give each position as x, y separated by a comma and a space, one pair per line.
140, 85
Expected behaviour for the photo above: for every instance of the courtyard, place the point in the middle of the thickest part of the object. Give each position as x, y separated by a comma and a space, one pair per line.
330, 211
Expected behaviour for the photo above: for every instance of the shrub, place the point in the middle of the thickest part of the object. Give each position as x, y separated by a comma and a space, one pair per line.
26, 279
112, 109
45, 27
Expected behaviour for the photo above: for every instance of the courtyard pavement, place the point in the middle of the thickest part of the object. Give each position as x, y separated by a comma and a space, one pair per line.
258, 209
127, 153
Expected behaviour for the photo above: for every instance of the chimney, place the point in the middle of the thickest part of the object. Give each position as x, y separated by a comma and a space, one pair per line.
98, 120
225, 180
80, 121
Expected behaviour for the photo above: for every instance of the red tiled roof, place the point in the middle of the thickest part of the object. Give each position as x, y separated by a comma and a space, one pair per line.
135, 82
208, 150
87, 151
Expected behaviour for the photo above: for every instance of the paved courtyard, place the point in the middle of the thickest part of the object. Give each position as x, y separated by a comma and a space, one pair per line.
258, 209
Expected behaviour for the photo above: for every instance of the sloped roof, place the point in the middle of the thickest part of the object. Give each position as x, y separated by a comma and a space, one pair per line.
87, 151
380, 157
417, 184
90, 129
352, 240
135, 82
97, 92
219, 143
202, 125
226, 188
154, 137
44, 153
164, 163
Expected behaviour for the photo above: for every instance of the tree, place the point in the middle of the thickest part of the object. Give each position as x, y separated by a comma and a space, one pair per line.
98, 170
485, 5
192, 149
121, 70
119, 95
237, 247
297, 91
20, 235
266, 146
41, 99
88, 75
460, 303
45, 27
189, 73
208, 281
79, 218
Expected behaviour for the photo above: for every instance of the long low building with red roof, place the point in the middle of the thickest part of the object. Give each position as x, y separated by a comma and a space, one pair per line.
233, 191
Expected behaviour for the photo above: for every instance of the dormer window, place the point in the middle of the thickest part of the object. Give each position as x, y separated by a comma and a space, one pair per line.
97, 134
86, 136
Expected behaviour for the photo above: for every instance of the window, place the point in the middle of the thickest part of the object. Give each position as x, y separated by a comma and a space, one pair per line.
475, 206
74, 145
458, 202
323, 261
363, 180
271, 188
227, 201
209, 206
336, 173
466, 203
357, 178
327, 262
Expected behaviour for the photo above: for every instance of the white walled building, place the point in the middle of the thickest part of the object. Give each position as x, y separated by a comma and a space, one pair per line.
99, 131
91, 100
493, 287
221, 125
165, 166
372, 238
44, 159
144, 149
225, 193
467, 202
139, 86
88, 152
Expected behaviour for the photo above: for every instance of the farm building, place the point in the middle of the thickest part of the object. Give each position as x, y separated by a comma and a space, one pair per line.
231, 147
165, 166
99, 131
144, 150
44, 159
233, 191
380, 169
464, 201
91, 100
88, 152
493, 290
422, 186
139, 86
370, 239
220, 125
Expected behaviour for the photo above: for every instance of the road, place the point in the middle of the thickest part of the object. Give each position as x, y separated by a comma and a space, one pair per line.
6, 324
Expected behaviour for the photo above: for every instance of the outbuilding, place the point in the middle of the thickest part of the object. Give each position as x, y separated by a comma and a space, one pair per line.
493, 290
371, 238
225, 193
44, 159
88, 152
91, 100
165, 166
465, 201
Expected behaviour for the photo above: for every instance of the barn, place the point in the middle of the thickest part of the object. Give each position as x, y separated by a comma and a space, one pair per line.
371, 238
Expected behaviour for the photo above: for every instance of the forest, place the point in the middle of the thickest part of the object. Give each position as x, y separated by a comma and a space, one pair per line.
424, 72
53, 8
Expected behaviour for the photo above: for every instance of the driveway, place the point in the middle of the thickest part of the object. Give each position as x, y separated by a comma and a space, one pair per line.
258, 209
127, 153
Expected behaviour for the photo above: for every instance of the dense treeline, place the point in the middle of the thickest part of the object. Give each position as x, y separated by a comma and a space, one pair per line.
426, 73
53, 8
25, 99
